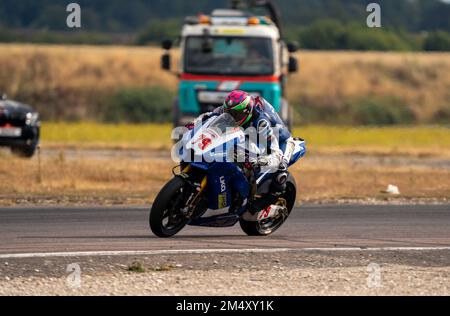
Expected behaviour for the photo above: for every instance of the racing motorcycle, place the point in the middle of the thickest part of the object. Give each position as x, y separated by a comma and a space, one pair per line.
203, 191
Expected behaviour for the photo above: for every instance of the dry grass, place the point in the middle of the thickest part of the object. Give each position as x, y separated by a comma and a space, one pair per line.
330, 182
73, 82
72, 79
137, 181
422, 80
56, 179
80, 67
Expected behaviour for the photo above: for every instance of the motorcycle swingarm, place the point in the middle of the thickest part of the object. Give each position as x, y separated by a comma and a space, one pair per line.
228, 220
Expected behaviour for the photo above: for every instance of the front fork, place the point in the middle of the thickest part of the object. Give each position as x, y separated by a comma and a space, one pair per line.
195, 197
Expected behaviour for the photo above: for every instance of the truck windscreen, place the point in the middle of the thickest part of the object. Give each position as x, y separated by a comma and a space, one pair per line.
229, 55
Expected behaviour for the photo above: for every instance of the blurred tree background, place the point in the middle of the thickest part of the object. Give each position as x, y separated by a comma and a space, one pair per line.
319, 24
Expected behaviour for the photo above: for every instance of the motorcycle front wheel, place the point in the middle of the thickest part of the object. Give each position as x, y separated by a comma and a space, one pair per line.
166, 219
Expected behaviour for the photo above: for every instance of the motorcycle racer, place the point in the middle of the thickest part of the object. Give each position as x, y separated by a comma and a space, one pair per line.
273, 137
254, 111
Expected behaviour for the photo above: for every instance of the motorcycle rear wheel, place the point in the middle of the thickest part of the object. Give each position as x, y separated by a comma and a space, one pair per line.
166, 219
268, 227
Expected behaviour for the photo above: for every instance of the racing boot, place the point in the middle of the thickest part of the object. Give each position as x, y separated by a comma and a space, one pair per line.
236, 204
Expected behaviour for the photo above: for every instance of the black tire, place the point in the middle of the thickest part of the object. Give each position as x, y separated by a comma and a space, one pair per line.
262, 229
24, 151
167, 205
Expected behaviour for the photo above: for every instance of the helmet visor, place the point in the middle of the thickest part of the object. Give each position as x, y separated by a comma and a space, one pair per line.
238, 115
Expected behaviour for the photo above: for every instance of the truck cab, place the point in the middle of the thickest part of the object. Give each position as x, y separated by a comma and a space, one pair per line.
228, 50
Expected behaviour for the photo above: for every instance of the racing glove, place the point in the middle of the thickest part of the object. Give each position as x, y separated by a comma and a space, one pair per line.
190, 126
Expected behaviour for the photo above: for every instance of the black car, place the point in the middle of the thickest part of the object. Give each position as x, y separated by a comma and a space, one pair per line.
19, 127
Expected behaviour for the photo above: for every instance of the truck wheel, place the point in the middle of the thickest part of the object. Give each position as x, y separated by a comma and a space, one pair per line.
176, 113
24, 151
291, 119
287, 114
176, 118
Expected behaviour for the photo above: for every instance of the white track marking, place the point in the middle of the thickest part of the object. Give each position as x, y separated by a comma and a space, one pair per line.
206, 251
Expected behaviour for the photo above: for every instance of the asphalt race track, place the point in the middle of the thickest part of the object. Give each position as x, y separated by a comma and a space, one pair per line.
70, 229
